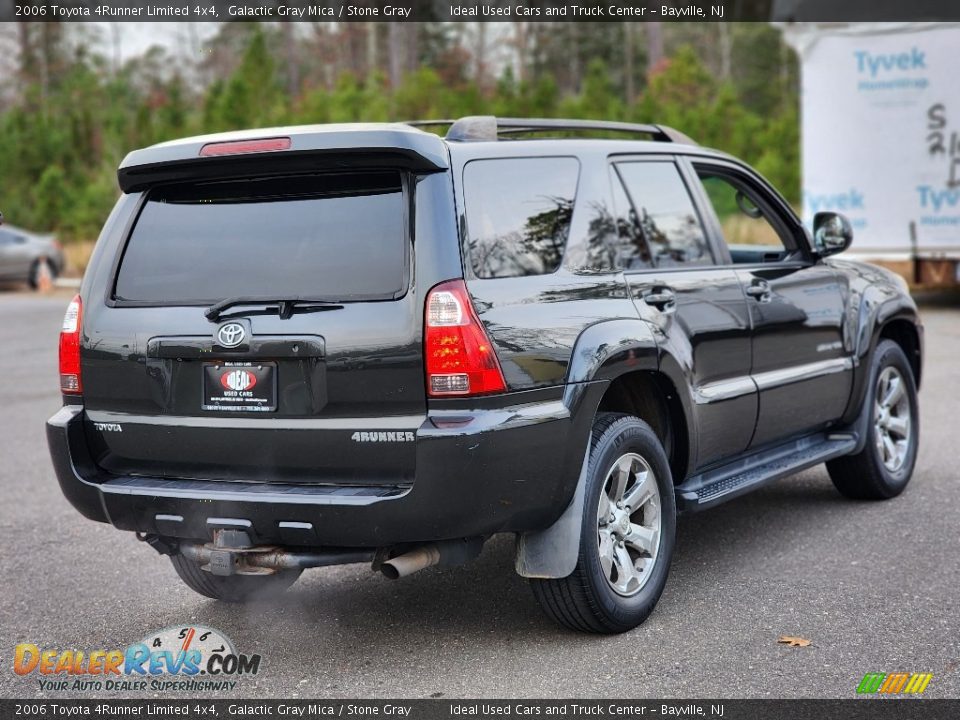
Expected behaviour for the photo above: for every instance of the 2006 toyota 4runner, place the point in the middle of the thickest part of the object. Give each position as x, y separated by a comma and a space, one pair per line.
310, 346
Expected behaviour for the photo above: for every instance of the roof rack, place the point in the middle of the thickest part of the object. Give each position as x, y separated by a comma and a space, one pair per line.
488, 127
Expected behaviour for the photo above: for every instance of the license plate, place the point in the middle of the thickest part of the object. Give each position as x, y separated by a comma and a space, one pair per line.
240, 387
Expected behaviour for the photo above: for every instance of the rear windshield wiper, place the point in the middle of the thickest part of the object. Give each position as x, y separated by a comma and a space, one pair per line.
285, 305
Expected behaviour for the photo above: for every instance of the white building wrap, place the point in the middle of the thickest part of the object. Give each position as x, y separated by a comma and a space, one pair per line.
881, 132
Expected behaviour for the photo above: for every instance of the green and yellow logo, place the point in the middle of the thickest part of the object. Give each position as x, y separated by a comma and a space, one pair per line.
894, 683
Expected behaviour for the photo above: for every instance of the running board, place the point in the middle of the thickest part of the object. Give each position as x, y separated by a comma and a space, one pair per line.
745, 474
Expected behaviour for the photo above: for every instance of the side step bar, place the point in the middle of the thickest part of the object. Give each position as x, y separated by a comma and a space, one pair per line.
745, 474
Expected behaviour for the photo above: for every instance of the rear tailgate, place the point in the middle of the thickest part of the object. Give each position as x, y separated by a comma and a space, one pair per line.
266, 393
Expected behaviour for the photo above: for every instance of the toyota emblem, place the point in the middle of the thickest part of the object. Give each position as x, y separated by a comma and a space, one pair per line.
231, 334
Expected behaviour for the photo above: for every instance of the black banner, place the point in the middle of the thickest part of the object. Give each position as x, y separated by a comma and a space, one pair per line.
477, 10
440, 709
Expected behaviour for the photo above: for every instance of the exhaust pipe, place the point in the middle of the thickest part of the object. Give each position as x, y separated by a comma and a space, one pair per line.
262, 560
445, 552
411, 562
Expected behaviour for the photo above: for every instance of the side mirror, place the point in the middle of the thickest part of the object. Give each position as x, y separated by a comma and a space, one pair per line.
832, 233
1, 218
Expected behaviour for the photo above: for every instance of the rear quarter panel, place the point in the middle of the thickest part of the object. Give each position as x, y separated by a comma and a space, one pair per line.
534, 321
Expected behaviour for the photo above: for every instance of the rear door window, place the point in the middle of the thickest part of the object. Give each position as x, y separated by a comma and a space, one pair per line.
664, 214
336, 237
518, 214
634, 253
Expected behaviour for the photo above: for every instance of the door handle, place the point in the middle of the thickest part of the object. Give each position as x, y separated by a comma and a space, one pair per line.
662, 298
759, 290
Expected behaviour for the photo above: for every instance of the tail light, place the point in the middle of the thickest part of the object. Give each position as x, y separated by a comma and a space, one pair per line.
459, 357
70, 348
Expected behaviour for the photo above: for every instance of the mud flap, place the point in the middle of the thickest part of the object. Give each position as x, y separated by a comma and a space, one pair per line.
553, 552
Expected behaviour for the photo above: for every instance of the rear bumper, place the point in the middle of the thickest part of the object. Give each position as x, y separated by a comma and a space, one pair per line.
478, 472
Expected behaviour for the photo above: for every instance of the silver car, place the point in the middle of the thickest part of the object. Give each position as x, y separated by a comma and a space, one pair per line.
25, 256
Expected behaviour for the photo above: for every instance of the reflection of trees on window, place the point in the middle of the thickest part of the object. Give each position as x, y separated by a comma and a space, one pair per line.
663, 220
602, 244
638, 239
682, 244
518, 214
534, 250
546, 232
615, 239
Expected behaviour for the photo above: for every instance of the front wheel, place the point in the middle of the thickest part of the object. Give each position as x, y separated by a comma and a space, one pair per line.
627, 533
233, 588
884, 467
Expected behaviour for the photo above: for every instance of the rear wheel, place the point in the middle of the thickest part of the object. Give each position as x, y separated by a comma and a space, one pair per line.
233, 588
627, 533
884, 467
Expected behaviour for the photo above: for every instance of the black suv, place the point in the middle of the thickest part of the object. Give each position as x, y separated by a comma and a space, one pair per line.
310, 346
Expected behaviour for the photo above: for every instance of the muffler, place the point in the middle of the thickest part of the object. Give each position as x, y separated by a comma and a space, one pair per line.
445, 552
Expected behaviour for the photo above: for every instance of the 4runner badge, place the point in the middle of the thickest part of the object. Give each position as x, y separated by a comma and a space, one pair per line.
384, 436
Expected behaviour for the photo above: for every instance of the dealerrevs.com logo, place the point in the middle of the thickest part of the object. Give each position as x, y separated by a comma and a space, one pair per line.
192, 658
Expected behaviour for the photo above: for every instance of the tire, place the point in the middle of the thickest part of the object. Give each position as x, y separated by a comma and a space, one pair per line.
233, 588
597, 597
877, 472
37, 271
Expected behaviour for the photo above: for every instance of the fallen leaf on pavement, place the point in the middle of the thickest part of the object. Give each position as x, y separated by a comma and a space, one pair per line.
793, 641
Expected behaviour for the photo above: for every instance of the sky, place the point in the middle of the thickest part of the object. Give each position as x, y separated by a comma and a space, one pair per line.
135, 37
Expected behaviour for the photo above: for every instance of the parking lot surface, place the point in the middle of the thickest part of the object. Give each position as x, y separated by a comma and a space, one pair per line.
873, 586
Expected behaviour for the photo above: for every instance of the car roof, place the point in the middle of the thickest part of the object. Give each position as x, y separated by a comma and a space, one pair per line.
463, 151
405, 143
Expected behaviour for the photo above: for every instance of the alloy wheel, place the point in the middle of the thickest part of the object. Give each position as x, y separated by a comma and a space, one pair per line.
628, 524
891, 418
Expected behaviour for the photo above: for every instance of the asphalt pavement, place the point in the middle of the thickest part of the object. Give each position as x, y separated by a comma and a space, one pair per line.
873, 586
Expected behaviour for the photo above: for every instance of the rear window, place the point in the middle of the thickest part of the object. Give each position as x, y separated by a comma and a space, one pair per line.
518, 214
333, 236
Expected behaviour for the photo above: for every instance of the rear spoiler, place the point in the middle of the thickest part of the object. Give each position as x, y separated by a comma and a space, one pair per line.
286, 150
